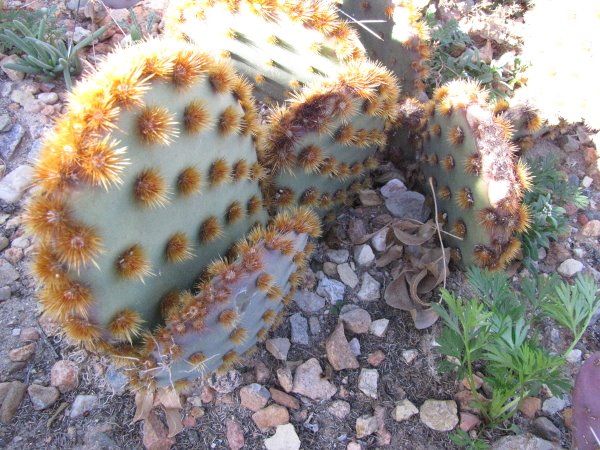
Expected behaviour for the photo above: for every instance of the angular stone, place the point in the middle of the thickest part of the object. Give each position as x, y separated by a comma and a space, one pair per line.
554, 405
8, 273
379, 240
22, 353
278, 347
339, 409
408, 205
376, 358
544, 428
529, 406
330, 269
379, 327
338, 350
13, 75
356, 320
337, 256
404, 410
332, 290
83, 404
42, 397
12, 396
299, 329
271, 416
347, 275
468, 421
285, 378
409, 356
570, 267
356, 230
574, 356
365, 426
367, 382
309, 382
439, 415
14, 184
591, 229
285, 438
314, 325
369, 289
392, 188
354, 346
235, 435
363, 255
254, 396
29, 334
5, 123
64, 375
524, 442
284, 399
309, 302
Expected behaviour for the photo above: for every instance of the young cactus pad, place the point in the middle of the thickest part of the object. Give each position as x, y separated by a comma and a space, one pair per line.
325, 139
279, 45
150, 175
394, 34
478, 182
234, 307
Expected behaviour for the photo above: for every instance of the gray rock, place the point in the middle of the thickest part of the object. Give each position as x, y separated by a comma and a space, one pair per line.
5, 123
20, 242
83, 404
339, 409
347, 275
439, 415
555, 405
408, 205
116, 380
354, 346
363, 255
379, 327
404, 410
299, 329
356, 320
337, 256
285, 438
524, 442
392, 188
10, 140
332, 290
574, 356
309, 301
308, 381
544, 428
8, 273
13, 185
365, 426
570, 267
367, 382
314, 325
5, 293
369, 289
330, 269
278, 347
379, 241
42, 397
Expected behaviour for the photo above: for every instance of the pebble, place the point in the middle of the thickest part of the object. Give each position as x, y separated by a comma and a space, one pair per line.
554, 405
5, 123
42, 397
529, 406
404, 410
234, 434
308, 381
271, 416
20, 242
48, 98
13, 75
379, 327
285, 378
591, 229
587, 182
544, 428
309, 301
369, 197
379, 240
83, 404
254, 396
369, 289
11, 395
299, 329
367, 382
578, 253
468, 421
347, 275
332, 290
574, 356
525, 442
14, 184
439, 415
227, 383
116, 380
570, 267
330, 269
356, 229
22, 353
408, 205
365, 426
261, 372
392, 188
13, 255
409, 356
278, 347
363, 255
356, 320
339, 409
10, 140
3, 242
339, 353
315, 325
354, 346
354, 446
284, 399
376, 358
337, 256
285, 438
64, 375
80, 34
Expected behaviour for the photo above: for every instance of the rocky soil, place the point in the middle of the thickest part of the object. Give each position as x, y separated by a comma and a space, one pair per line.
343, 371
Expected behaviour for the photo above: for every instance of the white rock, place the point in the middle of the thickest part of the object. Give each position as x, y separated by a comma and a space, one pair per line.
365, 425
379, 327
83, 404
337, 256
278, 347
354, 346
13, 185
409, 356
439, 415
20, 242
587, 182
570, 267
299, 329
404, 410
347, 275
369, 289
393, 187
363, 255
309, 301
48, 98
332, 290
367, 382
574, 356
379, 240
285, 438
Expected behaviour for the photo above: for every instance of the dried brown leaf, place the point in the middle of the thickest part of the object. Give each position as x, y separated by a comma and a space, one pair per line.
397, 295
413, 234
144, 402
424, 318
174, 421
391, 254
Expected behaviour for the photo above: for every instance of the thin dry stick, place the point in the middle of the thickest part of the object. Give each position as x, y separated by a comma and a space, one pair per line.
437, 226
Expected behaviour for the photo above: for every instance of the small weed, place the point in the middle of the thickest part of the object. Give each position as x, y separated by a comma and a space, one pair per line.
30, 19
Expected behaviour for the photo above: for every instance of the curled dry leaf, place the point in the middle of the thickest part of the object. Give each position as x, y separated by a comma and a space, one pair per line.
423, 318
393, 253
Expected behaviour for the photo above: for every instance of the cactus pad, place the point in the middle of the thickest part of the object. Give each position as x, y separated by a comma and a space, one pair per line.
586, 405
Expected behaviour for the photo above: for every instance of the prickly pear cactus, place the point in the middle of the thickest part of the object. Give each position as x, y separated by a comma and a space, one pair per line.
235, 306
324, 141
478, 181
394, 34
279, 45
150, 174
586, 405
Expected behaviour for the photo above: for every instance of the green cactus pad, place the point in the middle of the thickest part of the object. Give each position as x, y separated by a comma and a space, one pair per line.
150, 175
280, 46
478, 182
